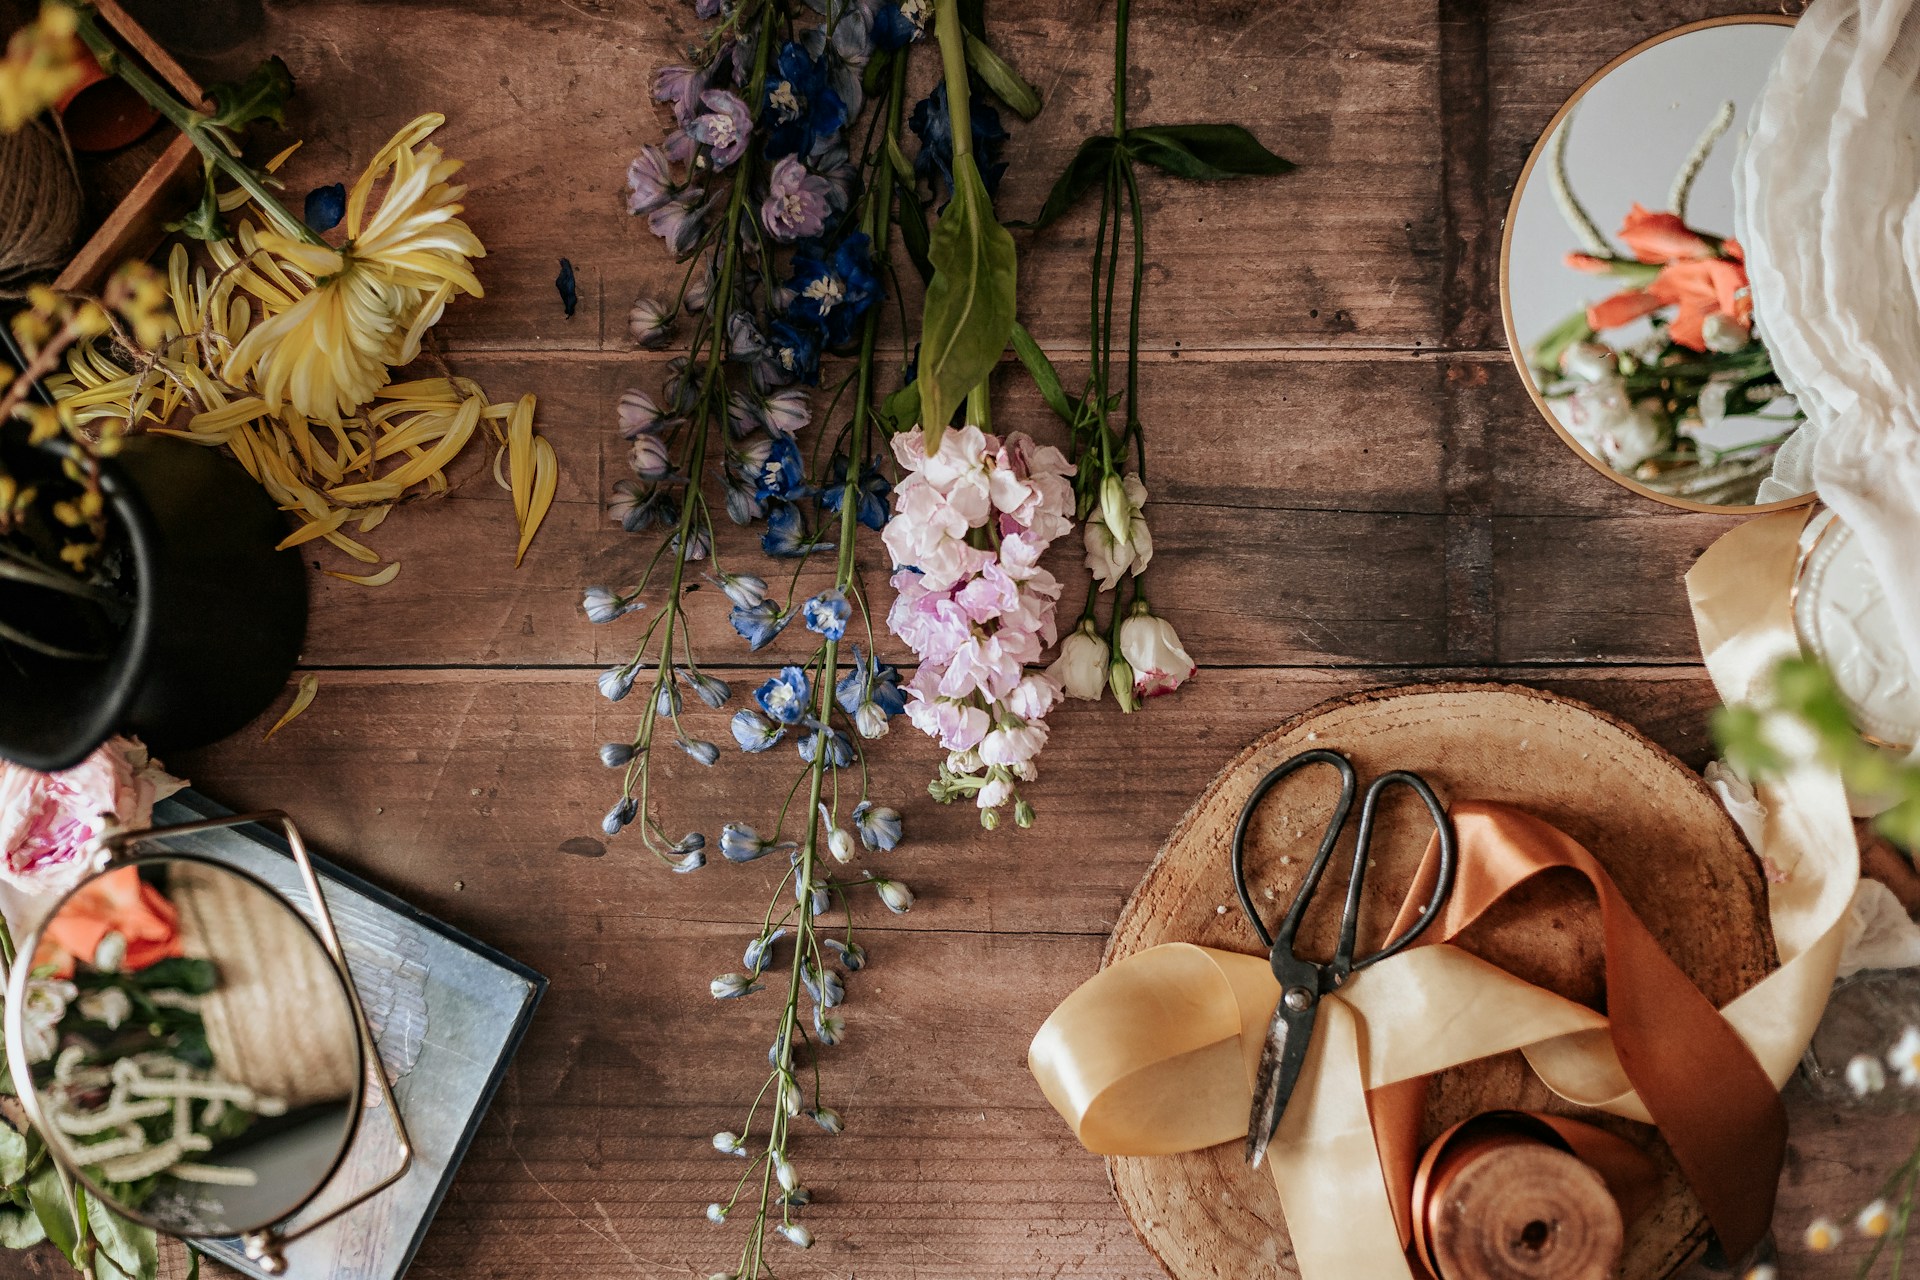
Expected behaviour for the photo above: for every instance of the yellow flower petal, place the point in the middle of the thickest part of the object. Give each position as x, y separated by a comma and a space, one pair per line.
302, 699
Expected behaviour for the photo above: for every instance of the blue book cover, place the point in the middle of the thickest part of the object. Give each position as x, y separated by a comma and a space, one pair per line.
447, 1012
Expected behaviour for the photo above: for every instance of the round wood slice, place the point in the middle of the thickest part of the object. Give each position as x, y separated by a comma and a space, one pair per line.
1676, 856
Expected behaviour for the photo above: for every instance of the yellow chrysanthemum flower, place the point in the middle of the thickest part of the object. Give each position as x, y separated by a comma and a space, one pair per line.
344, 315
42, 62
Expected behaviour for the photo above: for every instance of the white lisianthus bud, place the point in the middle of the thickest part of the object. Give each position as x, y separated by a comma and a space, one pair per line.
1722, 333
1865, 1075
1114, 507
798, 1234
1588, 361
1110, 555
1619, 430
1120, 680
1081, 668
1152, 647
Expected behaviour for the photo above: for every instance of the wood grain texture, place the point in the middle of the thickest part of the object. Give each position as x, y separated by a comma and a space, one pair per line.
1351, 490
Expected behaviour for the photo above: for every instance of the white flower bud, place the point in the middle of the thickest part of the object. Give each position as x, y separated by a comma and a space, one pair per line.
797, 1234
1822, 1235
870, 720
784, 1171
726, 1142
840, 844
895, 896
716, 1213
1865, 1075
1875, 1220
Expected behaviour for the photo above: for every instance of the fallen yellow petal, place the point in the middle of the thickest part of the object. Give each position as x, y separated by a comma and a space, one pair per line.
379, 579
302, 699
546, 478
520, 462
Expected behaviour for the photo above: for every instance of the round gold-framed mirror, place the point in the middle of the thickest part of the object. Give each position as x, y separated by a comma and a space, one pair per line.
187, 1046
1623, 286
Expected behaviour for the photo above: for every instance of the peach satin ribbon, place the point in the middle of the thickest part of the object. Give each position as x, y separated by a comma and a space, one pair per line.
1158, 1053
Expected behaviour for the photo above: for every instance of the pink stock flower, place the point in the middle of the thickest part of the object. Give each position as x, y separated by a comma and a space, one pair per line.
978, 615
48, 820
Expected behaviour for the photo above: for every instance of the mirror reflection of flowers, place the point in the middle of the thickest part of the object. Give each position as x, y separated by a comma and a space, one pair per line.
1656, 377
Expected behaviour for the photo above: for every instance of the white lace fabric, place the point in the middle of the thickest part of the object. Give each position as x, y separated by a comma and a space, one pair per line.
1829, 216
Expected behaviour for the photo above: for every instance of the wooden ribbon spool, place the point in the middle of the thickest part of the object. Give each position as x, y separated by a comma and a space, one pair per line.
1671, 849
1503, 1206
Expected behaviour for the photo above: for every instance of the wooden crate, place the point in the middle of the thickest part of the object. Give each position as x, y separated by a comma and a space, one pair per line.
171, 183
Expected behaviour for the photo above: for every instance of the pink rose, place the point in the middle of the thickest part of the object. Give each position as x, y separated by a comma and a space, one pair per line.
48, 820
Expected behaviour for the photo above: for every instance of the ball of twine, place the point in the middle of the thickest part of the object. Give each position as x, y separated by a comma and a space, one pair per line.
41, 203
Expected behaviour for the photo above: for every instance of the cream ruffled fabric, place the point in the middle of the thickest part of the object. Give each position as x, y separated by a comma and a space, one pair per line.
1829, 215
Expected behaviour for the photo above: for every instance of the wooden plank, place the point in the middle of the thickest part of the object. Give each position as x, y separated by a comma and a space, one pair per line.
1306, 512
1343, 253
1597, 589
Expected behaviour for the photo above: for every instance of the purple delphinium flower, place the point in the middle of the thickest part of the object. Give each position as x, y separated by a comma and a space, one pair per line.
636, 509
786, 411
649, 180
649, 458
639, 415
650, 323
682, 87
725, 128
801, 108
797, 201
679, 222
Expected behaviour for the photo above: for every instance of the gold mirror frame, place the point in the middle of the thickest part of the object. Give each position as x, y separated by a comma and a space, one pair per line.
1516, 350
265, 1247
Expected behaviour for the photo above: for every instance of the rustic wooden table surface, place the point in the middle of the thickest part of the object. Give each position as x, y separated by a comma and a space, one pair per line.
1351, 489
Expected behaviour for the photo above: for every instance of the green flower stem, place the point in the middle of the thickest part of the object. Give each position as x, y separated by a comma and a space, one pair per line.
953, 67
191, 123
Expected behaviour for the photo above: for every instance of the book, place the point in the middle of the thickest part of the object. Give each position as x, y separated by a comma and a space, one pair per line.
447, 1013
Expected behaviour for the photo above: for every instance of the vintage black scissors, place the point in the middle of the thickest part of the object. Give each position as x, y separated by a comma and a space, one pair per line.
1304, 982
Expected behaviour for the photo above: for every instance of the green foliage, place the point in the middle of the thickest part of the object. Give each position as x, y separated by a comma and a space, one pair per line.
133, 1250
1092, 162
1804, 713
969, 313
912, 221
1204, 152
1046, 379
263, 95
1006, 83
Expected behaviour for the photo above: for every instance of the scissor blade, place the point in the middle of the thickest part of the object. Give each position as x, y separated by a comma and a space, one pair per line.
1281, 1058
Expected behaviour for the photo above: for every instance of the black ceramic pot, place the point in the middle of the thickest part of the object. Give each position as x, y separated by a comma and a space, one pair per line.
213, 622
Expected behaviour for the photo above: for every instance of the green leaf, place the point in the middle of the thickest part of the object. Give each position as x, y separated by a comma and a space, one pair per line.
1045, 377
912, 221
262, 95
20, 1229
1204, 152
13, 1155
181, 973
969, 313
1088, 166
999, 76
133, 1249
902, 409
203, 222
50, 1207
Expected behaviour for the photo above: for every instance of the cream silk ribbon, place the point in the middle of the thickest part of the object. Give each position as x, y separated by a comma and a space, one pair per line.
1196, 1016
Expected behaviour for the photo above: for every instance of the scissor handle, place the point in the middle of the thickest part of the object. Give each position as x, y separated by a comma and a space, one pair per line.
1343, 961
1290, 923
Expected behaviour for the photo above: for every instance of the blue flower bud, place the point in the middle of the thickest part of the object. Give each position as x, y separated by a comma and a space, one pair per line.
700, 749
616, 683
620, 815
615, 754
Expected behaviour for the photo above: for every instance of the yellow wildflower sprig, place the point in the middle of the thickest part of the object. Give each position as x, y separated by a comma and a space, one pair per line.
42, 62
